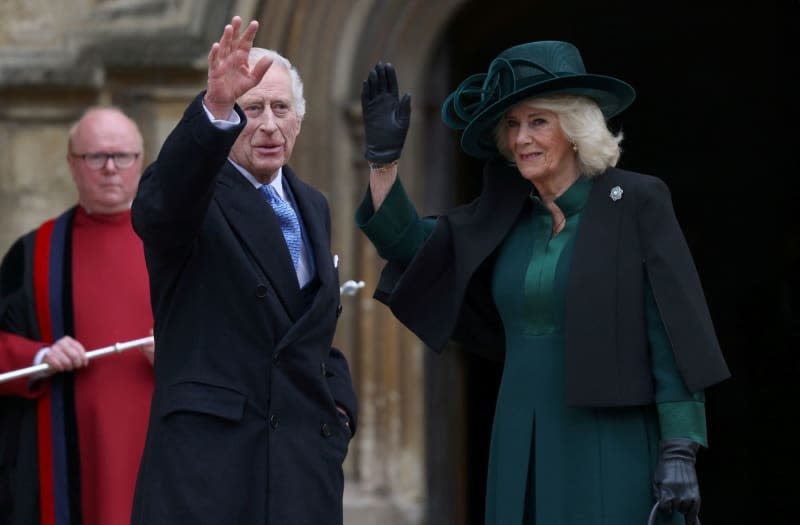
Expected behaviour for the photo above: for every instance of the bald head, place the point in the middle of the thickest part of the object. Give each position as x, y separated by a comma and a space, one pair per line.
102, 119
102, 145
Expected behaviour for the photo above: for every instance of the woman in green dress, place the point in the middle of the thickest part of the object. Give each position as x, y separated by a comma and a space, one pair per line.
574, 271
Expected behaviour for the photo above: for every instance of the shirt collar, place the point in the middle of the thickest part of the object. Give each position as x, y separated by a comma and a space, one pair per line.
277, 182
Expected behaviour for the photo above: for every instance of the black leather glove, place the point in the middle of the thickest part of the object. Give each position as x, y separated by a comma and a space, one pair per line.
386, 118
675, 484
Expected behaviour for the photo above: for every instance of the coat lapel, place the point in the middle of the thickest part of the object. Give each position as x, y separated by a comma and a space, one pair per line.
257, 227
597, 239
316, 225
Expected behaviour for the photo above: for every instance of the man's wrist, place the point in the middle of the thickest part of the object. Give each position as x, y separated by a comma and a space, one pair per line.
218, 111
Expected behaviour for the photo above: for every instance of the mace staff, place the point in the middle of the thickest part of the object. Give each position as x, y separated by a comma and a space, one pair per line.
91, 354
348, 288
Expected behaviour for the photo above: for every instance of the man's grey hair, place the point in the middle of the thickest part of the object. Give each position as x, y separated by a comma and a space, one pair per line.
257, 53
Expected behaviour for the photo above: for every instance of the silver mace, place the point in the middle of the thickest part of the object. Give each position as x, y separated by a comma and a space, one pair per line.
115, 348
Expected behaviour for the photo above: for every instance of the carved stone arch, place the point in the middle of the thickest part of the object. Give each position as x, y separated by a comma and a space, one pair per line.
411, 409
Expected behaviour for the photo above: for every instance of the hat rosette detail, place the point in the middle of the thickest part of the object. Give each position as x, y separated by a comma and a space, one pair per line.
478, 92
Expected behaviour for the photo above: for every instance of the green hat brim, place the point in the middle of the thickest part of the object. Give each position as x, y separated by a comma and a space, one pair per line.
611, 94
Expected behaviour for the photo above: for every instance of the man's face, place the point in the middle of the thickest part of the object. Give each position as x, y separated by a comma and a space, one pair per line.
106, 188
267, 140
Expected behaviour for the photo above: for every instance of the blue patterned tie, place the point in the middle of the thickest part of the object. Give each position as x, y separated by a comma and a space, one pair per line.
288, 220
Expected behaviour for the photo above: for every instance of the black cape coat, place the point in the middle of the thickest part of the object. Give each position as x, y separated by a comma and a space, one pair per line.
244, 427
445, 293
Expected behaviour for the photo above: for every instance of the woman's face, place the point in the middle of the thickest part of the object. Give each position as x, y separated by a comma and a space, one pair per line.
539, 146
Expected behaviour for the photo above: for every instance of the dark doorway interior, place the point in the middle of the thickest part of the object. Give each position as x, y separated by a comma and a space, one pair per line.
716, 117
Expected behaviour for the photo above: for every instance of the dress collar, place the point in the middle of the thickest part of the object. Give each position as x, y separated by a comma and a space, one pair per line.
571, 201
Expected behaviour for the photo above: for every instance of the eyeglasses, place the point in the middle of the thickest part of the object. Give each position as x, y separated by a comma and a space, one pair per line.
99, 159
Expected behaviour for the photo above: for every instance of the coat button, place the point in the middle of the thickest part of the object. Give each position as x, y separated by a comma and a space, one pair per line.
273, 421
276, 355
324, 370
325, 430
339, 310
261, 291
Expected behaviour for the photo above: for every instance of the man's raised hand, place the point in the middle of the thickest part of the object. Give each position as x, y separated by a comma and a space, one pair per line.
229, 72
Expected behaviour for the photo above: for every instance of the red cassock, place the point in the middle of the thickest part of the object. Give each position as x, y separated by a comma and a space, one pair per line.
111, 301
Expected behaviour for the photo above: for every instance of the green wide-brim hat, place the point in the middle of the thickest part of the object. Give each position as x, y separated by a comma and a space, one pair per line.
547, 67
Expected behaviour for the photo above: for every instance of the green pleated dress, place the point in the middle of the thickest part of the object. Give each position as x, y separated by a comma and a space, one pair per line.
551, 464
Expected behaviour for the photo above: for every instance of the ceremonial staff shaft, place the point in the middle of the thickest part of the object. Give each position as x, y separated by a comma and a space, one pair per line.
348, 288
115, 348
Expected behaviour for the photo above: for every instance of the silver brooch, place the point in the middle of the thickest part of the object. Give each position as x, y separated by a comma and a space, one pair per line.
616, 193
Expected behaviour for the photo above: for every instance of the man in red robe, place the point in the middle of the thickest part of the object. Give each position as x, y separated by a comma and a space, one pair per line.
70, 442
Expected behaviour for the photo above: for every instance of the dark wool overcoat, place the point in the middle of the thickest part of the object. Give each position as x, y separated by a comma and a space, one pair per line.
445, 293
244, 427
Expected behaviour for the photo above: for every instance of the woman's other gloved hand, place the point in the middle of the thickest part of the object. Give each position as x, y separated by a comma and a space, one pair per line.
675, 485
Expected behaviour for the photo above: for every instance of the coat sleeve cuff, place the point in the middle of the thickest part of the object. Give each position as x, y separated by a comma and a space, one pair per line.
683, 419
396, 229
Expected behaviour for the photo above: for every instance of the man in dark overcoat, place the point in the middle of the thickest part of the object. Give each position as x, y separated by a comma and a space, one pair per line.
253, 408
